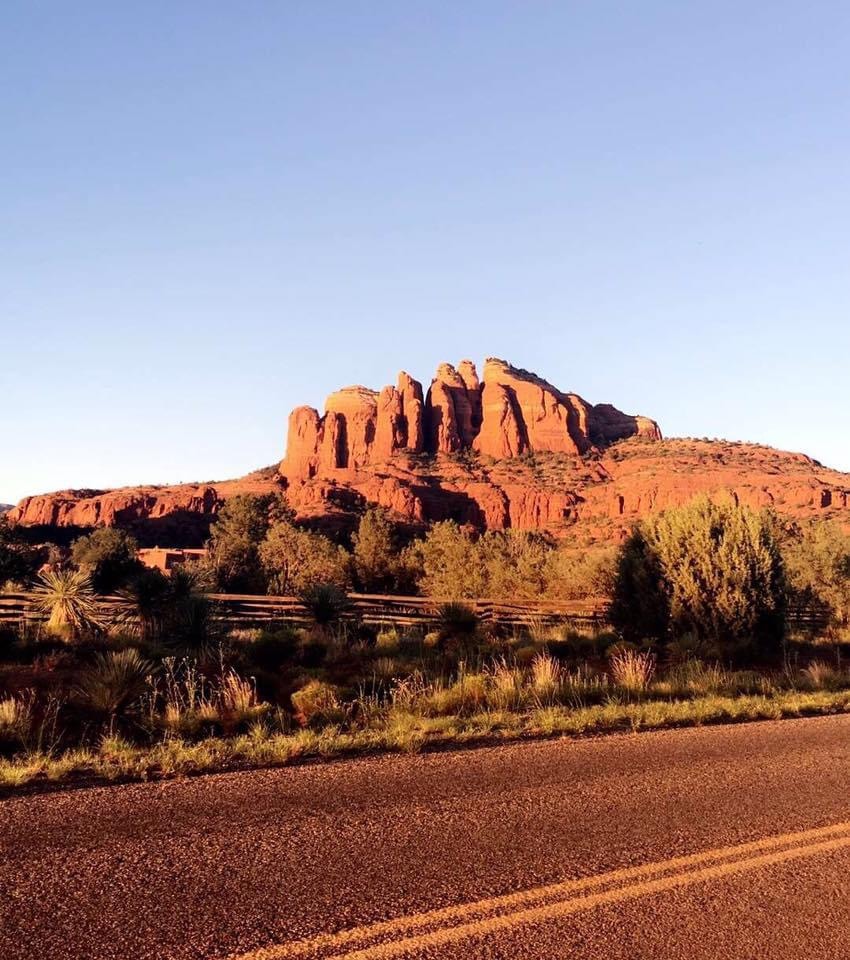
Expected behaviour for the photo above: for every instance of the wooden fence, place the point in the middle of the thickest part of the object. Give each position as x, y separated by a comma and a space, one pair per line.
254, 610
251, 609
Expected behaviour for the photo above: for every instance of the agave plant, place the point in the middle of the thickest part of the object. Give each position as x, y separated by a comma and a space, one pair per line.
69, 600
114, 682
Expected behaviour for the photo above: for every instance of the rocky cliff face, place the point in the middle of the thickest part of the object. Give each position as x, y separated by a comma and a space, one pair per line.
508, 450
510, 413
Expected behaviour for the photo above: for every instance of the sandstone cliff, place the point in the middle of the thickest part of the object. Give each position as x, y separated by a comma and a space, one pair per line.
509, 413
508, 450
591, 499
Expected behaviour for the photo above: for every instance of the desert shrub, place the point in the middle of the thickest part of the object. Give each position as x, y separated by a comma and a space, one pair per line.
545, 676
375, 553
317, 702
114, 683
143, 604
272, 648
817, 562
632, 671
448, 563
578, 574
294, 560
821, 676
18, 560
68, 599
325, 603
108, 556
388, 640
709, 568
514, 563
237, 701
16, 718
505, 686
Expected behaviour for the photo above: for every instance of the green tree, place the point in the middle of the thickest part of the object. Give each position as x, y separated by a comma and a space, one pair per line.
514, 563
235, 538
108, 556
448, 562
294, 560
18, 560
817, 560
712, 569
375, 553
575, 574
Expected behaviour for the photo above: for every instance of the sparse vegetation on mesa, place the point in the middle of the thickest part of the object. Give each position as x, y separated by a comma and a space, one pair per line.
152, 684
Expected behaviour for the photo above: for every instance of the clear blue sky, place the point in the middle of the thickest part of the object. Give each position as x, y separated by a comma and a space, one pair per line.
214, 211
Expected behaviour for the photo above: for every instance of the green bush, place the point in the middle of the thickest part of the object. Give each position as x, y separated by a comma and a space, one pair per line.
710, 568
317, 702
817, 560
108, 556
272, 648
19, 561
235, 538
294, 560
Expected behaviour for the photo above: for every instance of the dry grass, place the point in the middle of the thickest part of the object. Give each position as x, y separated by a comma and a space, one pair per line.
631, 671
401, 730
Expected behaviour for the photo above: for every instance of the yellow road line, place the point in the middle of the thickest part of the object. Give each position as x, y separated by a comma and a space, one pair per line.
399, 936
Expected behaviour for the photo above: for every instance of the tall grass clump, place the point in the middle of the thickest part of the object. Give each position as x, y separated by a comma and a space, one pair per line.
16, 717
632, 671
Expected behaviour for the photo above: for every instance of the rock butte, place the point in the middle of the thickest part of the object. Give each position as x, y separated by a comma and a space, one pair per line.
508, 450
510, 412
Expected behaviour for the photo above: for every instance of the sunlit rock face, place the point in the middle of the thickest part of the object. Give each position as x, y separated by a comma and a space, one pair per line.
505, 414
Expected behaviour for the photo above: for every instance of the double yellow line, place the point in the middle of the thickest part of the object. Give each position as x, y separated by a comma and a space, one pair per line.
437, 928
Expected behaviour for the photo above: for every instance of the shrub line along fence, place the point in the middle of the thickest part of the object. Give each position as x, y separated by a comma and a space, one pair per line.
253, 609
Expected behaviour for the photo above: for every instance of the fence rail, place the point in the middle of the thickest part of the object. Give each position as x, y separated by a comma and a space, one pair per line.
251, 609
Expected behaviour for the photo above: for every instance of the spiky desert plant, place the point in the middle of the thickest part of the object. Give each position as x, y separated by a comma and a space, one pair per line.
326, 603
144, 603
114, 682
68, 599
457, 620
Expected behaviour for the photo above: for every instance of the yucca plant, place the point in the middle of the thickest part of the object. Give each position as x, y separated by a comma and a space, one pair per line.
144, 603
326, 603
68, 599
114, 683
457, 620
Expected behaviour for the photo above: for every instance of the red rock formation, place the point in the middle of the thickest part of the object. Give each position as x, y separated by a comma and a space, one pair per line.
366, 449
582, 500
511, 413
413, 408
357, 408
502, 433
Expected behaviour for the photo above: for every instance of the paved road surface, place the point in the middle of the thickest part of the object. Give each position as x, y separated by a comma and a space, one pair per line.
727, 842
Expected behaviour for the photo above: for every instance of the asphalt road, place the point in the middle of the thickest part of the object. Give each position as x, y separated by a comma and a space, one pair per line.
725, 842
